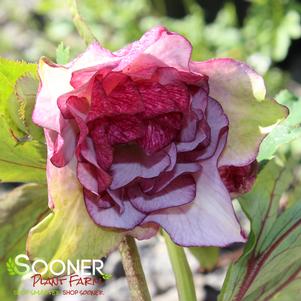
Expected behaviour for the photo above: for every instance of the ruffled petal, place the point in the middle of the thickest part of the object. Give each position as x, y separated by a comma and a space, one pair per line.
207, 221
156, 48
217, 121
241, 92
64, 146
179, 192
130, 162
123, 99
69, 224
167, 177
55, 81
112, 217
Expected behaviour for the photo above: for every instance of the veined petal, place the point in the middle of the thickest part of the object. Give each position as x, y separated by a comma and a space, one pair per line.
64, 146
157, 47
130, 162
172, 50
167, 177
209, 220
179, 192
241, 92
112, 217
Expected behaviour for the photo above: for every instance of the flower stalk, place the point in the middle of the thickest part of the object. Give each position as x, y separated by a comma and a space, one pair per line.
133, 270
182, 272
81, 26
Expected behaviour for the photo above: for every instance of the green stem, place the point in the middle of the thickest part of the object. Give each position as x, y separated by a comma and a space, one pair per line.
133, 270
182, 272
81, 26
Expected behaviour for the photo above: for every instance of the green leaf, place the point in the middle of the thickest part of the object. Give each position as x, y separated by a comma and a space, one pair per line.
207, 256
272, 257
21, 160
10, 72
286, 131
21, 105
69, 228
62, 54
22, 148
20, 209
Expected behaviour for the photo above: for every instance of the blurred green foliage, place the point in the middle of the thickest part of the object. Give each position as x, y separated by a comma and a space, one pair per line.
261, 36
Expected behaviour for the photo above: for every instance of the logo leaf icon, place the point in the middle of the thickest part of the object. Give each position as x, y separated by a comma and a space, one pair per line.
11, 267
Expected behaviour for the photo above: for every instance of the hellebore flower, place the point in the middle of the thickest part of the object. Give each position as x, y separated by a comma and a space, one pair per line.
154, 138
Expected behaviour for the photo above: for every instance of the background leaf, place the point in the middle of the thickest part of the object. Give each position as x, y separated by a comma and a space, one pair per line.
207, 256
20, 209
287, 130
22, 148
20, 161
272, 257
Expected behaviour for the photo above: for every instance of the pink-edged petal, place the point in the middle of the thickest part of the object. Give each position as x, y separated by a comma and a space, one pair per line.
102, 147
172, 153
199, 101
201, 134
241, 92
209, 220
161, 49
132, 51
239, 179
112, 217
167, 177
87, 176
87, 151
83, 76
64, 146
94, 55
81, 98
55, 81
217, 121
103, 202
130, 162
179, 192
171, 49
189, 129
96, 180
169, 75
